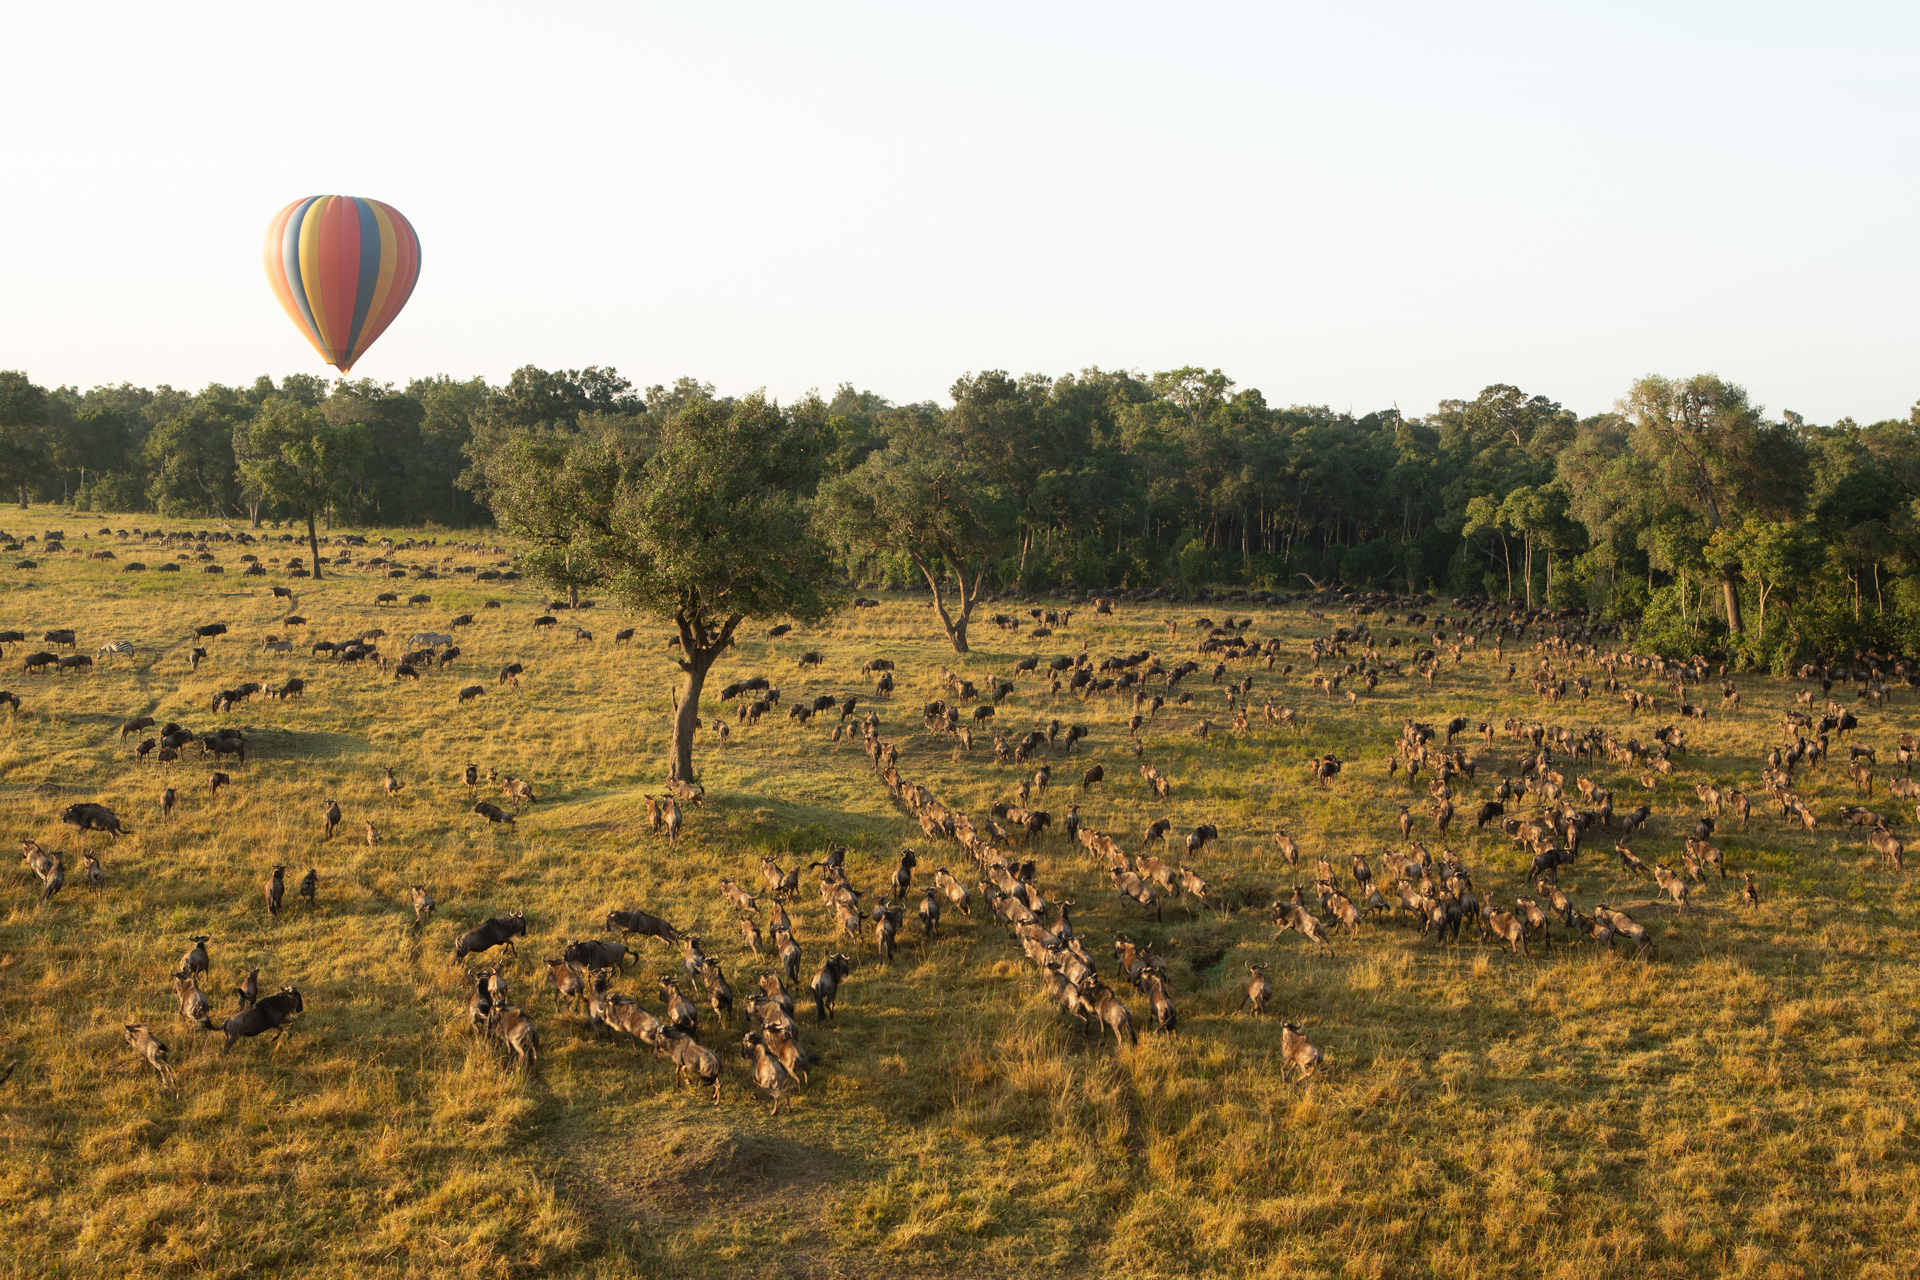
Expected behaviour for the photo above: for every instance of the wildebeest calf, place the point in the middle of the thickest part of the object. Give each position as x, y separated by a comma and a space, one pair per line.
149, 1048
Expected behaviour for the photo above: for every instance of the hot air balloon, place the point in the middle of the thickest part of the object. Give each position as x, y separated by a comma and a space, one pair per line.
342, 267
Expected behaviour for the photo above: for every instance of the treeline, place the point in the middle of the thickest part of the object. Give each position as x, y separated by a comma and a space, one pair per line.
1717, 527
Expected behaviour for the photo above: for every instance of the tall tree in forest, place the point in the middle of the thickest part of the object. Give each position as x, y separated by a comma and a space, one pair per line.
1007, 429
1708, 450
24, 418
448, 406
535, 399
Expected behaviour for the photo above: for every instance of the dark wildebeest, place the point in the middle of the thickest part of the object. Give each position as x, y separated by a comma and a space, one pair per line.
276, 1013
903, 874
595, 954
89, 816
499, 931
826, 984
630, 923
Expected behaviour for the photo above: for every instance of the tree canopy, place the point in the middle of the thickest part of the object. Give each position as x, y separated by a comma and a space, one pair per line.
705, 529
926, 497
292, 455
1106, 479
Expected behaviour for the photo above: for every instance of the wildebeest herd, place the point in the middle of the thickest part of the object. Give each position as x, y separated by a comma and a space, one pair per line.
1025, 860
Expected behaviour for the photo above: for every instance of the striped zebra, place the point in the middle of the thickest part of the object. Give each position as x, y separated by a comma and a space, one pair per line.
116, 648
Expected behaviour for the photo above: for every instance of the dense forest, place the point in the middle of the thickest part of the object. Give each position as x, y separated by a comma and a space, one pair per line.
1687, 509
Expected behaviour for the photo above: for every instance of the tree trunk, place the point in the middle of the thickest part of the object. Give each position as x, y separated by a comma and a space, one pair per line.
955, 624
253, 513
1526, 559
1733, 603
686, 717
701, 647
313, 544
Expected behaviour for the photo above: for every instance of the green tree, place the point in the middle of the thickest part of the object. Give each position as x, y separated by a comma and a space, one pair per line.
549, 490
24, 418
1484, 514
190, 453
394, 486
922, 498
1771, 554
1538, 517
535, 399
1709, 451
446, 427
709, 529
1005, 428
296, 458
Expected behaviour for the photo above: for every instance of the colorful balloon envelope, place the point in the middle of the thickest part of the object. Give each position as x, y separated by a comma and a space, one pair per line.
342, 267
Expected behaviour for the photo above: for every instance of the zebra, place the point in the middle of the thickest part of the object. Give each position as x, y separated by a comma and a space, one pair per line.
116, 648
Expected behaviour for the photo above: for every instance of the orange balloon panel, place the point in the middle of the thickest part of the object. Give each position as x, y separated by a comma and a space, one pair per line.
342, 267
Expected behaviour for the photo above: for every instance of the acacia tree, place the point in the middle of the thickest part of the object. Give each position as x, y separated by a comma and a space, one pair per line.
295, 457
708, 530
920, 498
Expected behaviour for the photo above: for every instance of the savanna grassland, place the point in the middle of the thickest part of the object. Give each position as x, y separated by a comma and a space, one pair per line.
1741, 1105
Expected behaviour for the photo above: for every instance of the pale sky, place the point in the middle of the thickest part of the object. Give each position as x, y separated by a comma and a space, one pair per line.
1354, 205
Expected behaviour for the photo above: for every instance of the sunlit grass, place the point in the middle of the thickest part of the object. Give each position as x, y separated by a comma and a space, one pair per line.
1741, 1106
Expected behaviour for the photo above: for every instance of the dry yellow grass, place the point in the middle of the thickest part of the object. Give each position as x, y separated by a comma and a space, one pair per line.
1741, 1106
